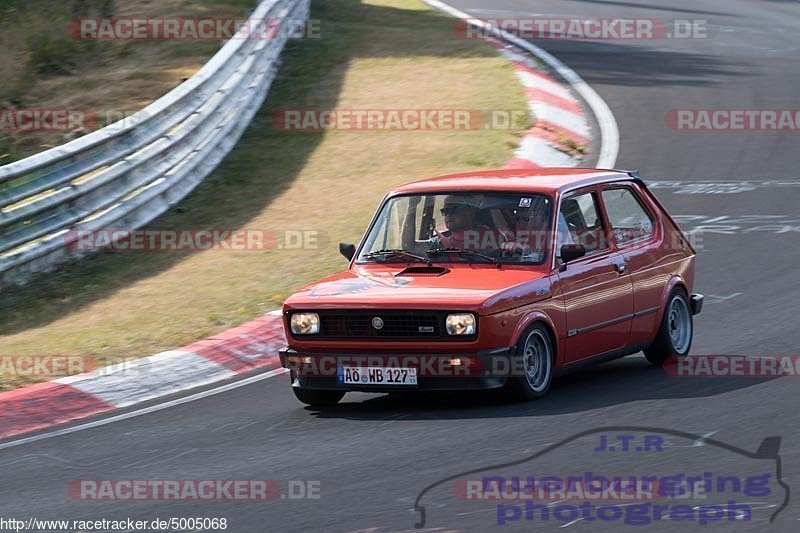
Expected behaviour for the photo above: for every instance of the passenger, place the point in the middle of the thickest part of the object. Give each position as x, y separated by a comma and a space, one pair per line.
530, 231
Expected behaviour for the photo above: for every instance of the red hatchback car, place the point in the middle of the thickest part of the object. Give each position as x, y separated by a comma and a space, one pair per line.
495, 279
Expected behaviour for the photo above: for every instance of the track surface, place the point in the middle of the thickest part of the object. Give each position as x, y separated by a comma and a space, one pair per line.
373, 454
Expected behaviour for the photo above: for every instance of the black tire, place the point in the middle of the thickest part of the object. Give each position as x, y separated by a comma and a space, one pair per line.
318, 398
674, 337
532, 366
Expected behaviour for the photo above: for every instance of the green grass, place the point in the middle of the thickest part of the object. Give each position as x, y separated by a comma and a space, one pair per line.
379, 54
43, 67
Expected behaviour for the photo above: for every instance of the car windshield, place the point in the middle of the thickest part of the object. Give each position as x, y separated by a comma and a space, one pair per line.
465, 227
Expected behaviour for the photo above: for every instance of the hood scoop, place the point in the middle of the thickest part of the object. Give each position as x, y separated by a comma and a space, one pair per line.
423, 271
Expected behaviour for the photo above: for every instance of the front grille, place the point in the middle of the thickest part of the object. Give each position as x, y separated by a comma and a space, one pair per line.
406, 325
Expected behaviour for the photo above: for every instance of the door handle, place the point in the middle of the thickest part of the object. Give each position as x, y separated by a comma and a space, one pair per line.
621, 267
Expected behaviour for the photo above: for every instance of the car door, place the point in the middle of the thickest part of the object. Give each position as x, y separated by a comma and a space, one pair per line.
636, 233
596, 289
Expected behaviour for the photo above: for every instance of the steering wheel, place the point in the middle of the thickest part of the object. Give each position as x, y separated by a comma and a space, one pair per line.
444, 241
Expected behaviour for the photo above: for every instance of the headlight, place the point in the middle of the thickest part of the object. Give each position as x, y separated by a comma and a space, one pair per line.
305, 323
460, 324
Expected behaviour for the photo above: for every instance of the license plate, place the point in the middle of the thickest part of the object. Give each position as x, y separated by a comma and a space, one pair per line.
377, 375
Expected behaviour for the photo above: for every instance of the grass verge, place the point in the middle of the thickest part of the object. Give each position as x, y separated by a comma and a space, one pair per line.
374, 54
43, 67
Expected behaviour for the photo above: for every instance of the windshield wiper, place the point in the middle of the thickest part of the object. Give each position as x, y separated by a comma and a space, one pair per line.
461, 251
395, 253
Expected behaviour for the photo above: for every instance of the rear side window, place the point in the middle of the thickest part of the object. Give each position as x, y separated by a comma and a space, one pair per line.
579, 222
628, 218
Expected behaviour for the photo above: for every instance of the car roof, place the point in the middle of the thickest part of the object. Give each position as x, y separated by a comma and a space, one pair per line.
546, 180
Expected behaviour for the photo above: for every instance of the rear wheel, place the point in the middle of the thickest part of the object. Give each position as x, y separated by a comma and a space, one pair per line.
676, 330
318, 397
532, 371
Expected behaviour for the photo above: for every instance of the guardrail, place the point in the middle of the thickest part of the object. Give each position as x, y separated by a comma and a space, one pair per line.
130, 172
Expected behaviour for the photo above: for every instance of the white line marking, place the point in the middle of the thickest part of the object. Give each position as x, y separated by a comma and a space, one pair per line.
144, 462
540, 152
518, 57
142, 365
559, 117
712, 299
568, 524
696, 443
718, 187
507, 12
150, 378
609, 131
144, 411
543, 84
128, 366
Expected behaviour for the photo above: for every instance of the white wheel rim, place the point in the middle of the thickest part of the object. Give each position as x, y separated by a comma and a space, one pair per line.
537, 361
679, 325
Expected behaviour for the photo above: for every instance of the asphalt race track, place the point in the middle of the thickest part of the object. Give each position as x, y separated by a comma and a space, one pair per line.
372, 455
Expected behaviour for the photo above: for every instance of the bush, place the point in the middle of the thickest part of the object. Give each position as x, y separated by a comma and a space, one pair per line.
50, 49
48, 54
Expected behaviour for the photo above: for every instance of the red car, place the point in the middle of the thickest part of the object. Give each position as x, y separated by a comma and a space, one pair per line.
495, 279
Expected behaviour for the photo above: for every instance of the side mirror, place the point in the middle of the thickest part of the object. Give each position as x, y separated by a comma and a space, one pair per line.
571, 252
347, 250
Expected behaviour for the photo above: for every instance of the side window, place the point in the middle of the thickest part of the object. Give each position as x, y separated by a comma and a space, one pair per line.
628, 218
579, 222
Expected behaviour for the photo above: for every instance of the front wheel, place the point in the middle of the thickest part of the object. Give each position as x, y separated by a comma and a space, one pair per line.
534, 361
318, 397
675, 332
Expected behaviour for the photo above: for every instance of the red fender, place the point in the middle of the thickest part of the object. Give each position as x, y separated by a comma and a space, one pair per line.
671, 284
539, 316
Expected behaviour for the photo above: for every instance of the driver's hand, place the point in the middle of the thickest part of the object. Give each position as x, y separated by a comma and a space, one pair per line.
513, 246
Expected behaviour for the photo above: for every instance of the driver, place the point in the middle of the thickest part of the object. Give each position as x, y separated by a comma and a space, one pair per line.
460, 216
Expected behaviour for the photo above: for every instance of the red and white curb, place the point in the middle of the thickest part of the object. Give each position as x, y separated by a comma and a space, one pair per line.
249, 347
608, 134
253, 346
560, 132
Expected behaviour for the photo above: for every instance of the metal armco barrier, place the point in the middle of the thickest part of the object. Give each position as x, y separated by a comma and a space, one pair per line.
130, 172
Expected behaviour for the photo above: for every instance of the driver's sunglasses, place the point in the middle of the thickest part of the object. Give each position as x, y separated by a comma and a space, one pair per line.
449, 210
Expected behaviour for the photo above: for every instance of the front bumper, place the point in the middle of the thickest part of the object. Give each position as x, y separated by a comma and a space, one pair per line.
487, 369
696, 301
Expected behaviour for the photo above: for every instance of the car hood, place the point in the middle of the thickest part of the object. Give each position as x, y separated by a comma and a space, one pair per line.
484, 289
